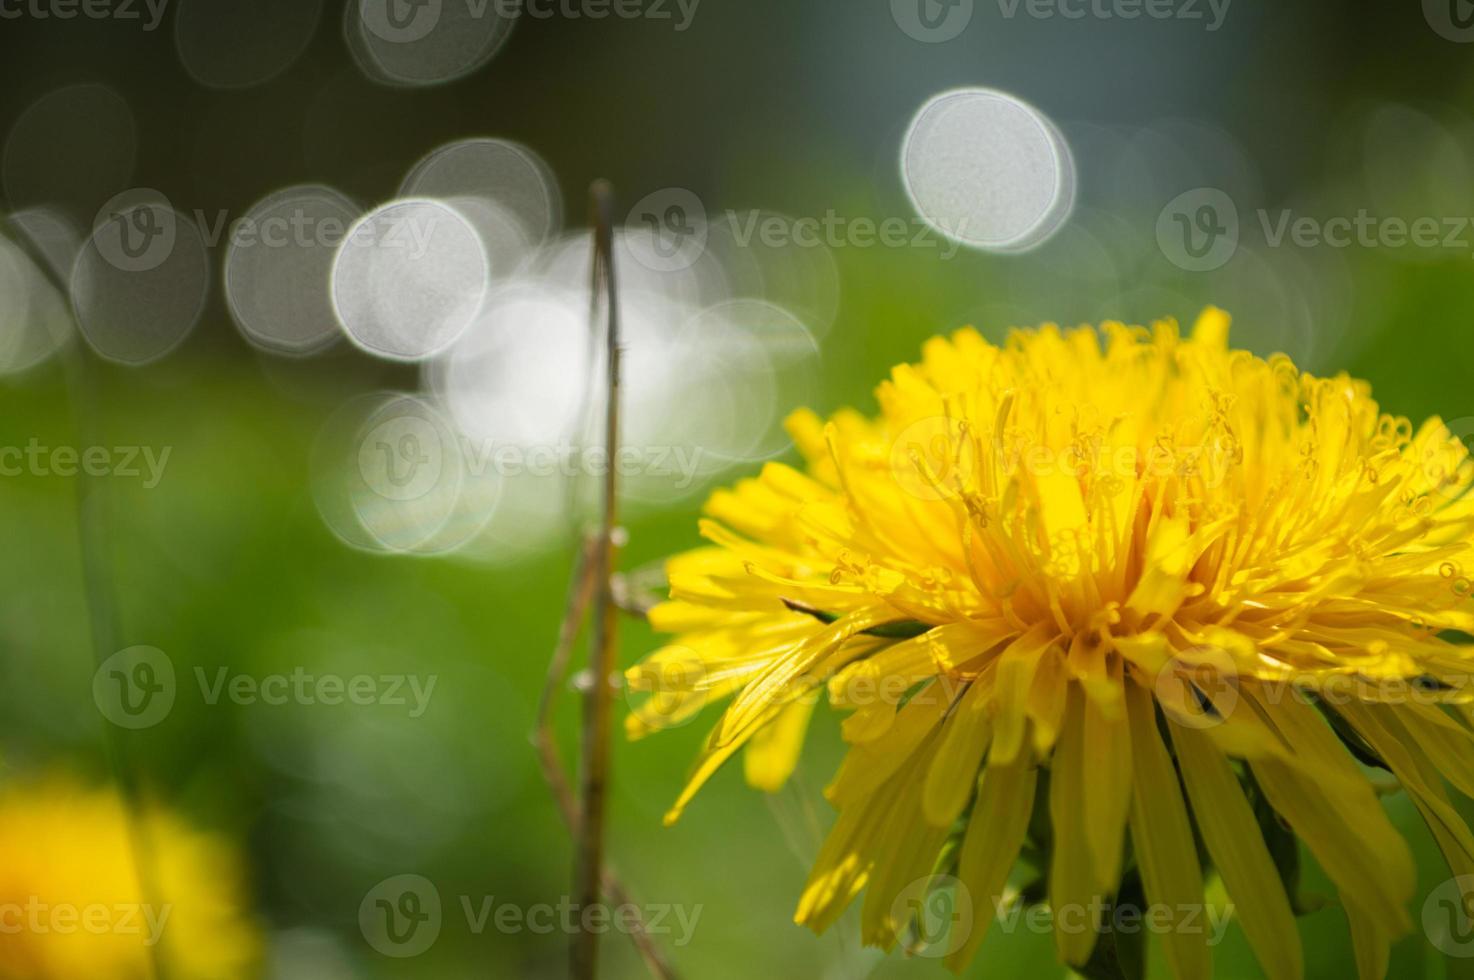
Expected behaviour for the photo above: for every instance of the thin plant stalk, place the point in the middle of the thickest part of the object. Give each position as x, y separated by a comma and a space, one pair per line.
598, 704
580, 596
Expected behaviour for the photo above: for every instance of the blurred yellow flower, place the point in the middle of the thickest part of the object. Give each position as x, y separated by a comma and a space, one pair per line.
1090, 597
71, 905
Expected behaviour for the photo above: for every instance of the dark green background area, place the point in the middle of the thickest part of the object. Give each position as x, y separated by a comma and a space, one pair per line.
798, 107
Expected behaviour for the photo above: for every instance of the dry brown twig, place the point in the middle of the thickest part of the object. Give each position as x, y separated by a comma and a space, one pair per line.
580, 594
594, 585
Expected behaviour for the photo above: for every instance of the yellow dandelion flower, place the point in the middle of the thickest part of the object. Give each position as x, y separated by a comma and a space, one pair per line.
1091, 598
70, 901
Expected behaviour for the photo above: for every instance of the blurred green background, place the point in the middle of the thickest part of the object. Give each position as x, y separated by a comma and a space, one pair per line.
800, 108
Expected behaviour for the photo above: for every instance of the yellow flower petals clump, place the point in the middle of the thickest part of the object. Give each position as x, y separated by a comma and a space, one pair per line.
71, 905
1088, 598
